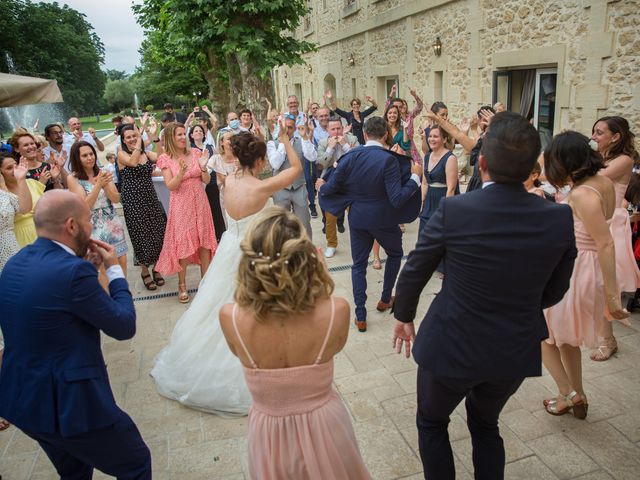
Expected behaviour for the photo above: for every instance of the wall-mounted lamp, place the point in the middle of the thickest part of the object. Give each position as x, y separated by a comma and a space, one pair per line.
437, 47
309, 69
350, 60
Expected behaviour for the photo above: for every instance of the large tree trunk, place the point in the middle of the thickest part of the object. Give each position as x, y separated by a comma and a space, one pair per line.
218, 89
255, 90
235, 82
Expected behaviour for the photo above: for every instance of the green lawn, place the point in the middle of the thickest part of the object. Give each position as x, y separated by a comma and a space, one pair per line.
105, 121
90, 122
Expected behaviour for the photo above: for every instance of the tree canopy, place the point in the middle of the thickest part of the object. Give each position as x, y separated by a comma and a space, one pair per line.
234, 45
159, 79
52, 41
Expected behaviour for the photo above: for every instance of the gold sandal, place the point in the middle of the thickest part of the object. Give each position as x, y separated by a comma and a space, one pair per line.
183, 295
579, 408
605, 352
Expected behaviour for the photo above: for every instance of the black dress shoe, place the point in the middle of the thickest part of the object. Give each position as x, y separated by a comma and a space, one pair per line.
341, 227
314, 212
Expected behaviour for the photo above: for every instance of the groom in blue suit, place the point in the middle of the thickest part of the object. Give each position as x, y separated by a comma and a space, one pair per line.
54, 384
370, 181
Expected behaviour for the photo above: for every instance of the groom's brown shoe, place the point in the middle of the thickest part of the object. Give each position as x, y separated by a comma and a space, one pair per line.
383, 306
361, 324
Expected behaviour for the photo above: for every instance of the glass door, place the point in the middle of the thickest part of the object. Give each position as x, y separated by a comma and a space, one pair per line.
545, 103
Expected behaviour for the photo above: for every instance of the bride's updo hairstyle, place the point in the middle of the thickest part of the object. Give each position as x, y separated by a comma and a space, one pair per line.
248, 149
280, 272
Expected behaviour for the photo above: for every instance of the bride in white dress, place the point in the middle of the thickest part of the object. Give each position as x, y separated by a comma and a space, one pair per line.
197, 368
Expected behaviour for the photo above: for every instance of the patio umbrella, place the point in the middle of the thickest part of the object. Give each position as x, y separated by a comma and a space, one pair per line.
18, 90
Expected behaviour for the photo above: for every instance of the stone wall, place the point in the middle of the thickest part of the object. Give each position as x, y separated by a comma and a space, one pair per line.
595, 45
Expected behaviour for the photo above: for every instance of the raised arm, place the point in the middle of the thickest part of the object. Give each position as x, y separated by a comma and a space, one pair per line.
212, 116
392, 94
25, 202
99, 144
329, 100
419, 105
289, 175
455, 133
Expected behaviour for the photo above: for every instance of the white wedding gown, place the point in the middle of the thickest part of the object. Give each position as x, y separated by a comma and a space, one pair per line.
197, 368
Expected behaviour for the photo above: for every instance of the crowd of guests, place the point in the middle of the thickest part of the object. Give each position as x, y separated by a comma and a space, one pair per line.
195, 156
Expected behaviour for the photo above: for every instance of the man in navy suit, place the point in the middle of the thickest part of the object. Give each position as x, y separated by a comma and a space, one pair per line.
54, 384
369, 180
509, 254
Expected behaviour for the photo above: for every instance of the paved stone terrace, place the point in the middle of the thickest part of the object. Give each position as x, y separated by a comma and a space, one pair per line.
378, 388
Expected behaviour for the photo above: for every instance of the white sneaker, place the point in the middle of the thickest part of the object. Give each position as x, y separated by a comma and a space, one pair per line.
329, 252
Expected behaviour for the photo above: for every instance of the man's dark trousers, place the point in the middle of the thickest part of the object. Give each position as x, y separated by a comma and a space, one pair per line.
390, 239
117, 450
310, 177
437, 398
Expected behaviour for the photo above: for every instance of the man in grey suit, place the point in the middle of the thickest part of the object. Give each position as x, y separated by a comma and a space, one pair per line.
294, 197
330, 150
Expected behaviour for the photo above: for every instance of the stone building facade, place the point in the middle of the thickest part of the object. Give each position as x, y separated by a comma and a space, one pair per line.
562, 62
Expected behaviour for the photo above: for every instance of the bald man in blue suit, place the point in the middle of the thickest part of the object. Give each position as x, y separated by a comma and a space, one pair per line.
54, 384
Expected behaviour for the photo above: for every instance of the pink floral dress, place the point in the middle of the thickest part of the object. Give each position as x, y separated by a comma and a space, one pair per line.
189, 225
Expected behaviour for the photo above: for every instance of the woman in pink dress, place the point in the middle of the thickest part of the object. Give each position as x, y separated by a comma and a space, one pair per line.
286, 328
616, 145
593, 292
189, 237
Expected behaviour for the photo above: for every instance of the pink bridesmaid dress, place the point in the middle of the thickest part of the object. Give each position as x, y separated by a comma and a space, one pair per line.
578, 318
298, 426
627, 271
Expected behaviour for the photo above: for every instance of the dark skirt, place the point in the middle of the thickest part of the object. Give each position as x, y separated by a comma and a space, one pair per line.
213, 194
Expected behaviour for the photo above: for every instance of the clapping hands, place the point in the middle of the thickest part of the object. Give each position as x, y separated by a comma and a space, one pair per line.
204, 158
103, 178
